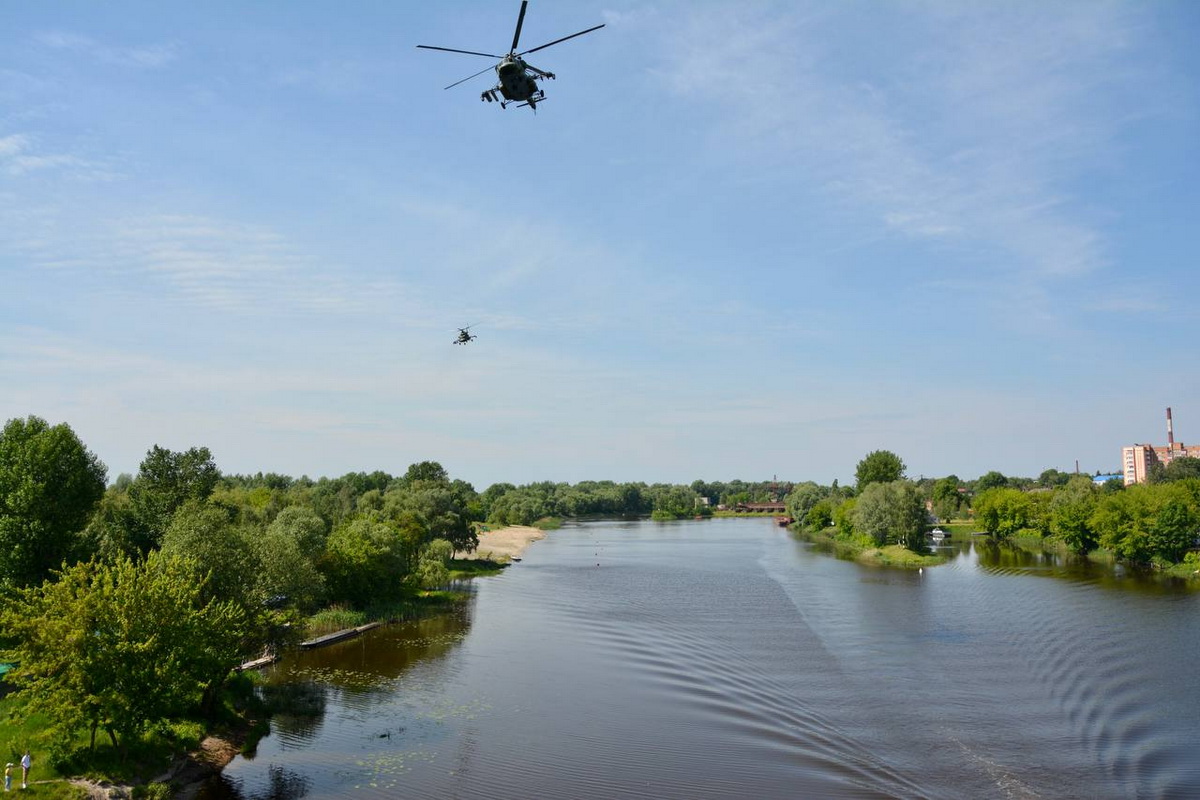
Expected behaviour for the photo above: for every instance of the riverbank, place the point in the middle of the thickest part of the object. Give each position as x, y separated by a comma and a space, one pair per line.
503, 544
888, 556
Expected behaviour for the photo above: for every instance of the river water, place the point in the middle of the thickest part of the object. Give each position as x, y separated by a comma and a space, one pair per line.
724, 658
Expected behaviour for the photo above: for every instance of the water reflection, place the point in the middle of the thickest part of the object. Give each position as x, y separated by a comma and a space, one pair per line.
297, 709
282, 784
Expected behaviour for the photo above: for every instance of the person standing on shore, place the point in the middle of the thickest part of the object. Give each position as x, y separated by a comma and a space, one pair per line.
8, 776
26, 763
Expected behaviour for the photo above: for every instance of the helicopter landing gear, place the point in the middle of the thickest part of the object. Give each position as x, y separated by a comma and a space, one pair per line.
533, 100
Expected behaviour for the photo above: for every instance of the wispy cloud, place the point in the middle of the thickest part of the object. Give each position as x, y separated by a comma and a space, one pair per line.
152, 56
969, 128
19, 155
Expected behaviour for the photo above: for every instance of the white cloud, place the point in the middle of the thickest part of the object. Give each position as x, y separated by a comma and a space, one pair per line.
969, 128
144, 57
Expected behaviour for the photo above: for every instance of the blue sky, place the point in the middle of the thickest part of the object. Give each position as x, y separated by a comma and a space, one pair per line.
738, 239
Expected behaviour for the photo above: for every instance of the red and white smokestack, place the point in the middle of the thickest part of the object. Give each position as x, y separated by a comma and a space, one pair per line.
1170, 431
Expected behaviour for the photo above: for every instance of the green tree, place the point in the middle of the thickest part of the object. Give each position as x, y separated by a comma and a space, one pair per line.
118, 647
426, 471
304, 526
433, 564
1071, 510
367, 559
802, 498
1177, 469
204, 535
820, 516
991, 480
892, 513
1004, 512
879, 466
49, 485
946, 498
166, 481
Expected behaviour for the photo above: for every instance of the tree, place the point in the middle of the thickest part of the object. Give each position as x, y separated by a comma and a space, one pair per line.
166, 481
205, 536
892, 513
49, 485
119, 647
802, 498
879, 466
1052, 478
991, 480
946, 498
304, 526
426, 471
367, 559
1003, 512
1071, 510
1177, 469
1148, 522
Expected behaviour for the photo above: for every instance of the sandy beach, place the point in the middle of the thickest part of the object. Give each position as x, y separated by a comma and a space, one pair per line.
503, 544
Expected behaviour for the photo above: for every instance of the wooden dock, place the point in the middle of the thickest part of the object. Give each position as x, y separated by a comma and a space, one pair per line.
258, 663
337, 636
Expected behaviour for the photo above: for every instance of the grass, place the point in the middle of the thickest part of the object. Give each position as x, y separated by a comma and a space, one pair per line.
238, 719
548, 523
474, 567
413, 606
892, 555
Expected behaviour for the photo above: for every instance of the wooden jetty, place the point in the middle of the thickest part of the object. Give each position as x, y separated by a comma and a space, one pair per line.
337, 636
259, 663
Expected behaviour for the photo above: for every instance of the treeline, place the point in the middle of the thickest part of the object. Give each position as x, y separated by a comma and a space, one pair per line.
1154, 523
127, 607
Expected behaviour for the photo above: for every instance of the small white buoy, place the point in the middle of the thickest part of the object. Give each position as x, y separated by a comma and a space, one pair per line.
920, 570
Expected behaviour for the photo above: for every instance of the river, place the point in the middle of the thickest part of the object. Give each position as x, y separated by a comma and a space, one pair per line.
726, 659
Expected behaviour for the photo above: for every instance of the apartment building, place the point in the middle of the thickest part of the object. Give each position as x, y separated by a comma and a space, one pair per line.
1137, 460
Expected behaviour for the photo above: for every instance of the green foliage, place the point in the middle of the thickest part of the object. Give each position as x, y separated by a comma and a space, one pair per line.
1070, 514
1148, 522
991, 480
672, 502
165, 481
118, 647
1004, 512
820, 516
49, 485
304, 526
433, 564
802, 498
1178, 469
946, 498
843, 518
879, 466
367, 559
892, 513
205, 536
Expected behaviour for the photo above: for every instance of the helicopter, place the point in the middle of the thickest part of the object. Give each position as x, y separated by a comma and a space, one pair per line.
518, 80
465, 335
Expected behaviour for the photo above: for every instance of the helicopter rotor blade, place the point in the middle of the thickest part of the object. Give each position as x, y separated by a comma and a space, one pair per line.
520, 21
452, 50
556, 41
464, 80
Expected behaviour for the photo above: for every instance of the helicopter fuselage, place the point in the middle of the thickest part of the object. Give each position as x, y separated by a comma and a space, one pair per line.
517, 79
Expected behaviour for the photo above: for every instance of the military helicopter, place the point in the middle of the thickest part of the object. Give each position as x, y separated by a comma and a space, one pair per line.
518, 80
465, 335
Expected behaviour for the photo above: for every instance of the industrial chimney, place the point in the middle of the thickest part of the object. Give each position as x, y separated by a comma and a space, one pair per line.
1170, 431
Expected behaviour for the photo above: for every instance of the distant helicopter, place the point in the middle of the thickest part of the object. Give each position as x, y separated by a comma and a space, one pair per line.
518, 80
465, 335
